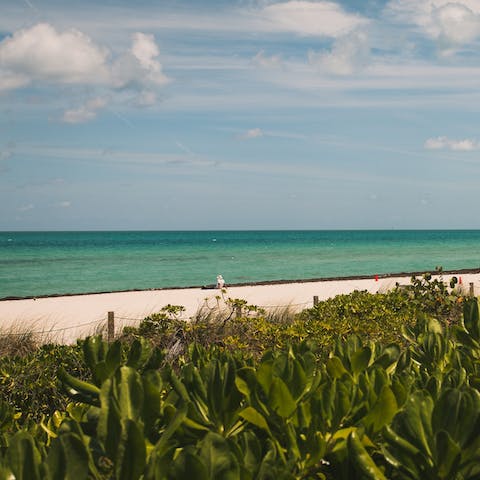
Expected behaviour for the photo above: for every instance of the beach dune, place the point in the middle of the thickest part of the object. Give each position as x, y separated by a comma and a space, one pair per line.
66, 318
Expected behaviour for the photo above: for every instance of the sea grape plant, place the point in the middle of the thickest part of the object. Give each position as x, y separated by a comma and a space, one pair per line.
407, 410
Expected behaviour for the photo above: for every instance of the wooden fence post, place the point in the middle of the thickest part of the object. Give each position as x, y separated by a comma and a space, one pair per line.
472, 290
111, 327
315, 300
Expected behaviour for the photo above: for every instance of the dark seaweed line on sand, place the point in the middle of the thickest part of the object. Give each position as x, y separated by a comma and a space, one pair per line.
253, 284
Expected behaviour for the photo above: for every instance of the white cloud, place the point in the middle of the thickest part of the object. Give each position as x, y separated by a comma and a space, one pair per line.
445, 143
264, 61
253, 133
309, 18
450, 23
40, 52
455, 23
139, 66
43, 54
64, 204
11, 81
86, 112
348, 55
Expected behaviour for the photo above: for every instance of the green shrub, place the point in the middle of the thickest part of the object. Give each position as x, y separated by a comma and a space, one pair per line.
367, 410
29, 383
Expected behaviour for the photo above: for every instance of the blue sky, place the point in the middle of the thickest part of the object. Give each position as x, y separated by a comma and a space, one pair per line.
239, 114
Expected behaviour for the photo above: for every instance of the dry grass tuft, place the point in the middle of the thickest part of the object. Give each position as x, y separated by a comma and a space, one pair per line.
281, 315
16, 343
19, 340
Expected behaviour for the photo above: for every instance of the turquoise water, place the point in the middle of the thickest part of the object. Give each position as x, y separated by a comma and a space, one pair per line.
43, 263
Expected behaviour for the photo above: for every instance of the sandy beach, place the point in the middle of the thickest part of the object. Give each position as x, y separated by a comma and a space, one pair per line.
66, 318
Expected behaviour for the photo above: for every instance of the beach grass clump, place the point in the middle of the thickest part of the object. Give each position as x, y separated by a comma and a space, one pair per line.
18, 343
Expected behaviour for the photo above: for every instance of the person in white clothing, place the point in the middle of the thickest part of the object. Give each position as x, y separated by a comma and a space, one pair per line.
220, 281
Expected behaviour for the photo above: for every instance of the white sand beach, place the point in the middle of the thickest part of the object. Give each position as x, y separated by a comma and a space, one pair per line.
67, 318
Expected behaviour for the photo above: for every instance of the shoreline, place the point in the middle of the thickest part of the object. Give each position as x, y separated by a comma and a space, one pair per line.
66, 318
465, 271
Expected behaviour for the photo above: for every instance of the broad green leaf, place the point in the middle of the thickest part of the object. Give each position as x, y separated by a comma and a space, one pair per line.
217, 456
360, 359
78, 389
255, 417
401, 453
131, 452
76, 457
242, 387
414, 422
23, 457
127, 390
172, 427
264, 375
383, 411
139, 353
298, 381
362, 460
389, 356
152, 405
188, 466
457, 412
281, 400
335, 368
448, 456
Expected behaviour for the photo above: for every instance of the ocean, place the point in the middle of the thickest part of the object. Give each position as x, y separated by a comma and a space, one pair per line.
46, 263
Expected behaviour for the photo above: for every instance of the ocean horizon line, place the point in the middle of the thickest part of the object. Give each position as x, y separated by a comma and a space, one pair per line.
392, 229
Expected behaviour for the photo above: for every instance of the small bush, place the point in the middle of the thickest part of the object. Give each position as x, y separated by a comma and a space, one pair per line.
29, 384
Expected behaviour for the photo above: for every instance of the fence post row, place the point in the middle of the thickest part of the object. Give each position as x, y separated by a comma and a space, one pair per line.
111, 327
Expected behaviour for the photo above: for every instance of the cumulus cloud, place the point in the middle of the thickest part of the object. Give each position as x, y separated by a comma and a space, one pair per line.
456, 23
265, 61
450, 23
44, 55
309, 18
445, 143
349, 54
253, 133
86, 112
139, 66
40, 52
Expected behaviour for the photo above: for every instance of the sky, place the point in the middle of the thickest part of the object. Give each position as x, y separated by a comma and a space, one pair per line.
248, 114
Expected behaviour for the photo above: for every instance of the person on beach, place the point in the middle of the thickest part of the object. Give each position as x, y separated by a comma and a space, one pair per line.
220, 282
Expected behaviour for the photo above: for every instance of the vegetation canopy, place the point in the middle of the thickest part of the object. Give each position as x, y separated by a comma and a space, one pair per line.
361, 386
